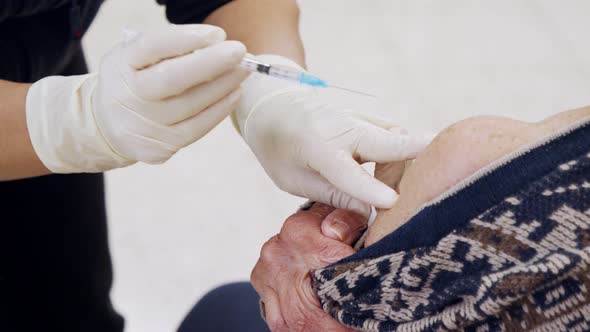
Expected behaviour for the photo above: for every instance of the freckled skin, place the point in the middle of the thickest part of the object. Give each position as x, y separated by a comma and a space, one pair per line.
456, 153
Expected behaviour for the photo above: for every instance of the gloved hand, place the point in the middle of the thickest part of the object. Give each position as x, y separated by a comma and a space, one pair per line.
154, 94
312, 148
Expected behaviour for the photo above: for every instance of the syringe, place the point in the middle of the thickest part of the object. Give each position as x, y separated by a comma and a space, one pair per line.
290, 74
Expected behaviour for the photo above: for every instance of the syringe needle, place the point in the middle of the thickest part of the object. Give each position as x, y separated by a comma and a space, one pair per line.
291, 74
353, 91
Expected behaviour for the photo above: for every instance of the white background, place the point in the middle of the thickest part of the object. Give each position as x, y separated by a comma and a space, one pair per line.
179, 229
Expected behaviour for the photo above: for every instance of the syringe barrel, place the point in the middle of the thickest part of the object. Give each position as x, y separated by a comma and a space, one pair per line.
255, 66
271, 70
285, 73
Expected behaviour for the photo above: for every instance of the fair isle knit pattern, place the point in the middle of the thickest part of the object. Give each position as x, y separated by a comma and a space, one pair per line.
516, 258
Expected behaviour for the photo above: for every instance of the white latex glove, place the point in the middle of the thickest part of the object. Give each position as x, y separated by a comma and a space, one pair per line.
153, 95
312, 148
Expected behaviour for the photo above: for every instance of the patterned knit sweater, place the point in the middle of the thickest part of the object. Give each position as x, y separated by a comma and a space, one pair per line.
506, 250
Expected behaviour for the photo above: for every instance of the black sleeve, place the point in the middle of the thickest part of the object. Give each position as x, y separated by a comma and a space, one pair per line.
18, 8
190, 11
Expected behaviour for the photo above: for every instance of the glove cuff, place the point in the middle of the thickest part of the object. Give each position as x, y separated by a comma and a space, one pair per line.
258, 88
62, 127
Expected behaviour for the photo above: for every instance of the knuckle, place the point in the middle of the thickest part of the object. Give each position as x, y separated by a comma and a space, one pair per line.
257, 271
293, 231
254, 277
270, 248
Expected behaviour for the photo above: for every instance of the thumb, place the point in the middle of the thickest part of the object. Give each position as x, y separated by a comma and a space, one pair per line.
345, 226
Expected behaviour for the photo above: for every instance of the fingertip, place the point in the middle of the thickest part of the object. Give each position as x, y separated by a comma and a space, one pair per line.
415, 143
242, 73
210, 33
234, 49
425, 138
373, 192
384, 198
350, 177
409, 147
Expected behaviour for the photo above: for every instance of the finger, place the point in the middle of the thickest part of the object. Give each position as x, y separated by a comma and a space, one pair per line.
376, 120
271, 308
380, 145
170, 41
328, 252
345, 226
317, 188
174, 76
197, 99
347, 175
199, 125
301, 231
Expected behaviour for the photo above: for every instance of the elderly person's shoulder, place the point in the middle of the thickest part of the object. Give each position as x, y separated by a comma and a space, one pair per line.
458, 152
493, 219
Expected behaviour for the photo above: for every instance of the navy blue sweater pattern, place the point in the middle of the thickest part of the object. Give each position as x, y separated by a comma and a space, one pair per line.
508, 252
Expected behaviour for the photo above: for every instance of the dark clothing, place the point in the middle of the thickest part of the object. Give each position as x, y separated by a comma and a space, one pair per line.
39, 38
229, 308
42, 44
55, 267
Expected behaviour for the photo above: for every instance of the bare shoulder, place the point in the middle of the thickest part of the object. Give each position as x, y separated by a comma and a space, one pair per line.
458, 152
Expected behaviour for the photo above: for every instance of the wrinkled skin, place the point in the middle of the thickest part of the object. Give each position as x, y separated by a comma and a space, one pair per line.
308, 240
456, 153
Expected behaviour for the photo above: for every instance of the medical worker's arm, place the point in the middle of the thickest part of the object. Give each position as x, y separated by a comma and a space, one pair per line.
17, 156
154, 94
308, 146
264, 26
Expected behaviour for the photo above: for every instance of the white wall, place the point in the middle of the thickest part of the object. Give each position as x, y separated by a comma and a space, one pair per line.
181, 228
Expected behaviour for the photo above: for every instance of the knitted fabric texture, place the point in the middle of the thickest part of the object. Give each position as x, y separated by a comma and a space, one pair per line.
510, 251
